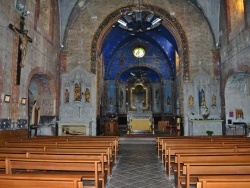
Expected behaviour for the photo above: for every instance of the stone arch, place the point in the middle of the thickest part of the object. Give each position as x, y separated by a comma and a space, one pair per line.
171, 23
236, 95
45, 84
243, 68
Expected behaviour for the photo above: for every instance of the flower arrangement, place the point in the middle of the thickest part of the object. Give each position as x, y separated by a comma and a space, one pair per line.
205, 112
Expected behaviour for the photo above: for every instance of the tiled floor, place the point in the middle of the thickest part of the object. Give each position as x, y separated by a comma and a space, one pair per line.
138, 167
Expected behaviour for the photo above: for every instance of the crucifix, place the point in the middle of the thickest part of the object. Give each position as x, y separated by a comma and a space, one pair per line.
24, 39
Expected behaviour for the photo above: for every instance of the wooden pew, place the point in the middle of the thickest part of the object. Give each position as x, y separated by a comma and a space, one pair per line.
214, 168
186, 145
180, 159
185, 139
40, 139
226, 181
171, 152
220, 141
89, 170
103, 154
85, 144
78, 149
41, 180
63, 156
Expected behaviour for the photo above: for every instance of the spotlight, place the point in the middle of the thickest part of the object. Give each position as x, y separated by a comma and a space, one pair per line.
122, 23
157, 20
61, 46
26, 13
20, 7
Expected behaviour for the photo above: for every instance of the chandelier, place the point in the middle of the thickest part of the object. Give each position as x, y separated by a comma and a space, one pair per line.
137, 18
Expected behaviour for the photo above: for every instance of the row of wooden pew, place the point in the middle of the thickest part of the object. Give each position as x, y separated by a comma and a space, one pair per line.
51, 162
207, 162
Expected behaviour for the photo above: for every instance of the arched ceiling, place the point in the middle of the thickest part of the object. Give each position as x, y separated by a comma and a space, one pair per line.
158, 42
117, 42
69, 10
237, 83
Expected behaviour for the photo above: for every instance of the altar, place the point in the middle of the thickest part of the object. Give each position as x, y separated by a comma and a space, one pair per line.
77, 104
200, 127
140, 122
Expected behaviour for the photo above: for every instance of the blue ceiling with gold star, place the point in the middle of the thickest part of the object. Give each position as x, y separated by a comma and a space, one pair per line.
158, 62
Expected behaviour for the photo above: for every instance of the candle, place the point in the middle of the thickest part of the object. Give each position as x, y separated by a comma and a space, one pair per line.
54, 107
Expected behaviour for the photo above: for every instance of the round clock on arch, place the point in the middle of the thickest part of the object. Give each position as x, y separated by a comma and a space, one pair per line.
139, 52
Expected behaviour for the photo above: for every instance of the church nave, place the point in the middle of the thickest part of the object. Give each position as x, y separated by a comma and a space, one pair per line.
139, 167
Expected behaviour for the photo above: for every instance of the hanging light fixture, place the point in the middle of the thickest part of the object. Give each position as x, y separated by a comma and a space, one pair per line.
137, 18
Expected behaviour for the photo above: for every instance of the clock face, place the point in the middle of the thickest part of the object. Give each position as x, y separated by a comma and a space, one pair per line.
139, 52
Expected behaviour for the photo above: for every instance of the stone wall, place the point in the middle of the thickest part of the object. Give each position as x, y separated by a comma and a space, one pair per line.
42, 52
195, 26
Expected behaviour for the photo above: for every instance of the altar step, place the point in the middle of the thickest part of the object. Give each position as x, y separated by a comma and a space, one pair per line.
124, 140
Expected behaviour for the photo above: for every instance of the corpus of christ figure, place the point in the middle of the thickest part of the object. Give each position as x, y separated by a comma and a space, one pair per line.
23, 35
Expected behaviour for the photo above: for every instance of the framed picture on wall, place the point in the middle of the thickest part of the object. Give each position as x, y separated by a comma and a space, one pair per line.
231, 114
23, 101
6, 98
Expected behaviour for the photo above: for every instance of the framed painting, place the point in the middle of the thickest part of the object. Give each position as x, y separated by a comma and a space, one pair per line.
139, 97
23, 101
231, 114
7, 98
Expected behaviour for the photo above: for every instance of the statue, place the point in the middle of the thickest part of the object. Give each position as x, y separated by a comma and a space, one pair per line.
168, 101
110, 101
191, 101
202, 98
35, 114
77, 92
213, 100
87, 95
66, 95
204, 112
24, 42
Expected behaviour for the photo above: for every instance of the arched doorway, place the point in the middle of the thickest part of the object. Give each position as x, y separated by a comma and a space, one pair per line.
237, 103
42, 92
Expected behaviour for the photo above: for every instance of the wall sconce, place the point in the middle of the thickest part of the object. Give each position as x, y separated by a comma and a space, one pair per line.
23, 101
6, 98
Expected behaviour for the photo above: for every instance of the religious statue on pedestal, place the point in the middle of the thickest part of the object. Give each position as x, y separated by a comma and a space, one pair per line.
77, 92
66, 96
35, 114
191, 101
202, 98
213, 100
87, 95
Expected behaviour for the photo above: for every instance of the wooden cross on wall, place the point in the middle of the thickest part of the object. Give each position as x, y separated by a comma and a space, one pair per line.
24, 39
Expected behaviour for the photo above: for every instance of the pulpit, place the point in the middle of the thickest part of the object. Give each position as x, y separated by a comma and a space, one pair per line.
111, 128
